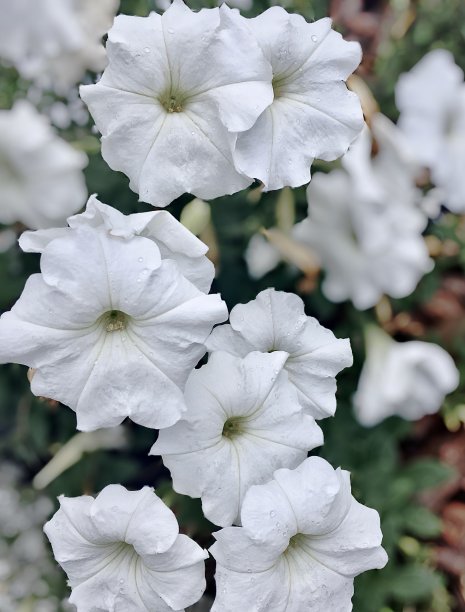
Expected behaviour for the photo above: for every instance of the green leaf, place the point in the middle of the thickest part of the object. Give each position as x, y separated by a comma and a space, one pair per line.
421, 522
414, 583
427, 473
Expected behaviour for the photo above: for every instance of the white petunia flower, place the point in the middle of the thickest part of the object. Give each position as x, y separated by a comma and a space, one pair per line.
54, 42
112, 328
276, 321
408, 379
176, 90
313, 114
122, 551
243, 421
365, 227
41, 179
431, 100
303, 539
171, 237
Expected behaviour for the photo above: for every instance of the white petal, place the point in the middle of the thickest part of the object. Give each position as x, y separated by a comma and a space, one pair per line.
177, 575
276, 321
224, 338
309, 63
130, 516
267, 590
223, 84
353, 547
207, 462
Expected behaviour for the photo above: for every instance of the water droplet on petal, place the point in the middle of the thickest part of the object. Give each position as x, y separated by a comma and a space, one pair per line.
170, 31
314, 38
146, 49
272, 513
140, 260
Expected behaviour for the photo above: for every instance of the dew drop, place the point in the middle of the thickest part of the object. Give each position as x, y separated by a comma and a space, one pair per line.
314, 38
146, 49
170, 31
140, 260
272, 513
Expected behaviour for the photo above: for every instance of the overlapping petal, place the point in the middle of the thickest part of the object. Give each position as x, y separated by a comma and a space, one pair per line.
171, 237
122, 551
242, 422
111, 328
276, 321
168, 111
303, 539
313, 114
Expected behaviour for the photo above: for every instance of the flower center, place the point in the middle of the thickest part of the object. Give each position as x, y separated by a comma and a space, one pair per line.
294, 544
114, 320
172, 102
233, 427
279, 84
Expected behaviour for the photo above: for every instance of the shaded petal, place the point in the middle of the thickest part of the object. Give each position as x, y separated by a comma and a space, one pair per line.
177, 575
225, 338
353, 547
193, 148
130, 516
265, 591
233, 546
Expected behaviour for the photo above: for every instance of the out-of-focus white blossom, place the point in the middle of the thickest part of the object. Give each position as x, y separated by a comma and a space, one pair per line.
386, 181
176, 90
408, 379
365, 224
243, 421
303, 539
41, 179
261, 256
54, 42
276, 321
123, 551
431, 100
112, 327
26, 568
313, 113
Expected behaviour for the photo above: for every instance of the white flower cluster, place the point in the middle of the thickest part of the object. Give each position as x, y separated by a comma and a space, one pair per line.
116, 321
54, 42
113, 326
243, 99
